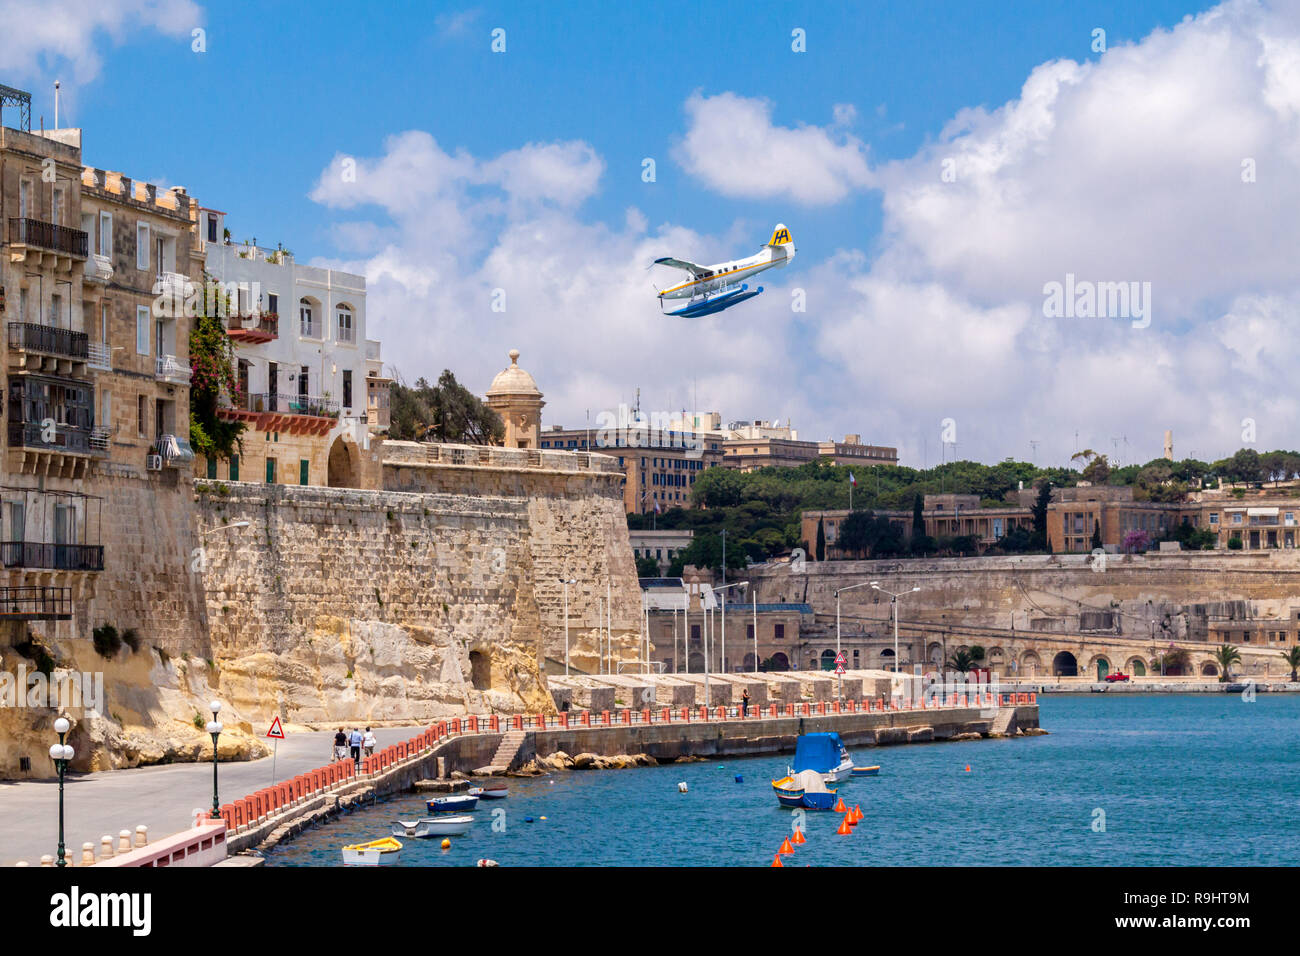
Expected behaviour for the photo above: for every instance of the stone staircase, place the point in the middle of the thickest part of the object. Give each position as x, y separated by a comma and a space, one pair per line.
507, 750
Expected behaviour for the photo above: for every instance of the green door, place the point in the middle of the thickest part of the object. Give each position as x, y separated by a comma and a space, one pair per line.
1139, 669
1103, 668
302, 471
234, 467
270, 471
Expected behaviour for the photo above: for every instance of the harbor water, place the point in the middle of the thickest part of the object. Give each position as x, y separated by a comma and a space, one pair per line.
1132, 780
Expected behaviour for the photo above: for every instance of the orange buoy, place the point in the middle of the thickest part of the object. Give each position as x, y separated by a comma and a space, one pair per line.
841, 808
785, 847
968, 768
854, 816
776, 860
798, 837
844, 829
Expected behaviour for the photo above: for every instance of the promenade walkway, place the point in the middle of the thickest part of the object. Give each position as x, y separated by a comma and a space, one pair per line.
162, 798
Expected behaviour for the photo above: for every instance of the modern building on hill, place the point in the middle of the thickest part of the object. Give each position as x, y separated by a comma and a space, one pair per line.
761, 444
661, 545
310, 382
661, 465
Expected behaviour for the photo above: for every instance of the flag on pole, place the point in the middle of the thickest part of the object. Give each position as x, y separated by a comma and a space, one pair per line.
852, 480
657, 511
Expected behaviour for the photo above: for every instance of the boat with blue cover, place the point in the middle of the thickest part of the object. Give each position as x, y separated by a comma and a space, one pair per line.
824, 753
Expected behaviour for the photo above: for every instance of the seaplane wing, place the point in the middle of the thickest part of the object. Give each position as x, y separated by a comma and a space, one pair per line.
691, 267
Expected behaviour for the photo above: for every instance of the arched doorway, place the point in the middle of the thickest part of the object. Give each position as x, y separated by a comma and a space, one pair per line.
748, 665
1209, 669
344, 471
1029, 665
696, 663
780, 662
1137, 667
887, 659
1103, 667
480, 670
996, 657
828, 660
935, 653
1065, 664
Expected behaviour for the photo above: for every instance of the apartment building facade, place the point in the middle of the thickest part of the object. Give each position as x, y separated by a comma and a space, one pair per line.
310, 383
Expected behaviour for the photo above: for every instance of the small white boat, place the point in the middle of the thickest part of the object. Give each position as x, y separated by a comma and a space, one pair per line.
493, 791
432, 826
375, 853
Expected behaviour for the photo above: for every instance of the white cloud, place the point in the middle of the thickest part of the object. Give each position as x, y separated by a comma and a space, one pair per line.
732, 146
40, 37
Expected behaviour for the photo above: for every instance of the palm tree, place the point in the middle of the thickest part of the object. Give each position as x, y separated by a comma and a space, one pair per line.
1227, 655
961, 661
1292, 657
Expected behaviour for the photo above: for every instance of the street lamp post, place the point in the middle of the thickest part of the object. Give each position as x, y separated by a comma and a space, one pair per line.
566, 582
214, 728
850, 587
61, 753
894, 601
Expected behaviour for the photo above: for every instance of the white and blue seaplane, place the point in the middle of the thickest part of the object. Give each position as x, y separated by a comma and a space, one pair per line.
713, 288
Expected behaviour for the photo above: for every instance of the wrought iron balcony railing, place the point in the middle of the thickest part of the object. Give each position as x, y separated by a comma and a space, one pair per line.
47, 339
170, 369
288, 404
52, 437
47, 235
57, 557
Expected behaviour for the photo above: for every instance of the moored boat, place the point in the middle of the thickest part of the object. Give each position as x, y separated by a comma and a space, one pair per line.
494, 791
383, 852
806, 789
824, 753
866, 771
456, 803
432, 826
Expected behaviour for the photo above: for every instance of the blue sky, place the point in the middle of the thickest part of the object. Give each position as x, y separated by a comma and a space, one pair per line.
248, 125
924, 296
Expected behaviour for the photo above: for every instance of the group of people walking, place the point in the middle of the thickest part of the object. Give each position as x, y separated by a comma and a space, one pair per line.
352, 744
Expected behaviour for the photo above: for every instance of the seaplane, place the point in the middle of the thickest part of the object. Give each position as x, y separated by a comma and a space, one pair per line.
713, 288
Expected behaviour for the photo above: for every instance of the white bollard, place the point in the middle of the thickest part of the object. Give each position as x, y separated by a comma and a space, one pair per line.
123, 841
87, 854
67, 857
47, 860
141, 835
22, 863
106, 847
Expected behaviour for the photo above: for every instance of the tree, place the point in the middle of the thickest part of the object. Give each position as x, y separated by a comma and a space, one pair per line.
864, 532
1135, 542
821, 539
1039, 512
1096, 534
1227, 655
961, 661
647, 567
213, 378
1292, 656
1096, 467
446, 412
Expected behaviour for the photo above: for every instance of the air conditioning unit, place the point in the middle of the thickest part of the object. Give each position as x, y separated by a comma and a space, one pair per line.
153, 462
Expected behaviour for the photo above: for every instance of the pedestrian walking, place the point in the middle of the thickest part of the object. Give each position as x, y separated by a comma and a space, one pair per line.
369, 742
340, 745
354, 740
744, 703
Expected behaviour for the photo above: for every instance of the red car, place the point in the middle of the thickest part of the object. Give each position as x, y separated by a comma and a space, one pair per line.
1117, 676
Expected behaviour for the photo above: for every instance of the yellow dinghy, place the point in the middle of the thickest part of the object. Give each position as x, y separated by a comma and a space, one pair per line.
375, 853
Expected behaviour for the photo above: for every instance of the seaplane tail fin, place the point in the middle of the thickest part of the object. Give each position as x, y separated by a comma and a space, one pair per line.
780, 236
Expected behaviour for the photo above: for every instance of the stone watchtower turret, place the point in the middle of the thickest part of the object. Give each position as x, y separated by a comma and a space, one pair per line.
515, 397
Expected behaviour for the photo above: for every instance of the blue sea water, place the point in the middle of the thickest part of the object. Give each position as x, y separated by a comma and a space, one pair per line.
1135, 780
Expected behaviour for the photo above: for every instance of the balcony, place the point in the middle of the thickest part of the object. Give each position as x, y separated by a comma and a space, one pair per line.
63, 343
100, 436
168, 368
172, 287
174, 450
284, 412
99, 355
98, 269
254, 329
52, 557
52, 437
46, 236
35, 604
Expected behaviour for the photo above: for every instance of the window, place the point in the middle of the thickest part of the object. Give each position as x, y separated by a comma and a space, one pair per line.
103, 323
779, 631
234, 467
24, 199
272, 303
140, 416
1214, 519
105, 233
56, 311
141, 330
347, 388
212, 468
749, 632
56, 211
142, 246
212, 228
107, 419
345, 324
306, 319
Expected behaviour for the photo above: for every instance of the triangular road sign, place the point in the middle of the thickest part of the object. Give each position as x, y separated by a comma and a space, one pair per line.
276, 730
839, 658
